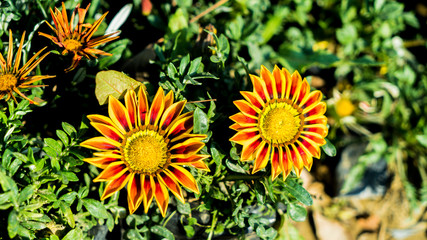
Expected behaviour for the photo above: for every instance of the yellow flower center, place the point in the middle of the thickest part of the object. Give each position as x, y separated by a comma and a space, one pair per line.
280, 122
145, 152
7, 82
344, 107
72, 45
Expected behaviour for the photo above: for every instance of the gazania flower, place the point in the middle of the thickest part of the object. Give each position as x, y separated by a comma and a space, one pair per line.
146, 148
12, 78
77, 39
281, 122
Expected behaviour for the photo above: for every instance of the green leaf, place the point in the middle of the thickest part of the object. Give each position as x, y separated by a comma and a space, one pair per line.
116, 49
26, 193
53, 144
162, 231
183, 64
172, 71
234, 167
95, 208
201, 124
69, 129
329, 148
184, 208
63, 136
298, 192
113, 83
194, 66
74, 234
68, 214
422, 139
12, 224
297, 212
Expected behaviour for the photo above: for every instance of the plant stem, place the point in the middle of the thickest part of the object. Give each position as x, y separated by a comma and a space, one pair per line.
235, 177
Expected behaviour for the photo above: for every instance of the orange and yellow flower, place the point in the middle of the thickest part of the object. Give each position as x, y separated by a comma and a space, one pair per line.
77, 39
281, 122
146, 148
12, 78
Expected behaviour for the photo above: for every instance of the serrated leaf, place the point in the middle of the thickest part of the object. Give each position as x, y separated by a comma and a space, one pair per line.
298, 192
113, 83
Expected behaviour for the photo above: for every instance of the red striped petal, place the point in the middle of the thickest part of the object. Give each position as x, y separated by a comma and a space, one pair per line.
244, 136
184, 177
259, 87
286, 83
246, 108
312, 99
162, 197
171, 113
132, 108
311, 146
270, 83
303, 92
100, 162
101, 119
108, 131
243, 120
306, 157
156, 109
181, 125
100, 143
319, 120
319, 109
322, 130
296, 159
134, 192
142, 106
286, 161
295, 86
115, 185
262, 157
118, 114
186, 148
168, 99
280, 80
200, 165
320, 140
275, 163
188, 160
248, 151
172, 185
147, 183
253, 98
112, 171
237, 127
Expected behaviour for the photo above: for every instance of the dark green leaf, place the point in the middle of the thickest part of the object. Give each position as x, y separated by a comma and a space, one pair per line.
162, 231
329, 148
26, 193
234, 167
74, 234
53, 144
201, 123
68, 214
183, 64
63, 136
298, 192
69, 129
297, 212
12, 224
95, 208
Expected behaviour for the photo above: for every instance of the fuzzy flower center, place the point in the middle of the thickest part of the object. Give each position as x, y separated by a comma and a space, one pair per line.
344, 107
280, 123
145, 152
7, 82
72, 45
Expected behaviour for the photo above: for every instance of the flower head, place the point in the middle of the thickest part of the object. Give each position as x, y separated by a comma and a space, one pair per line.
12, 78
281, 122
77, 39
146, 148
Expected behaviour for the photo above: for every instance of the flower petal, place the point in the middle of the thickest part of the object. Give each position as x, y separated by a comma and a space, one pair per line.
115, 185
243, 120
247, 109
248, 150
187, 148
270, 83
135, 195
157, 107
295, 86
315, 112
303, 92
280, 80
171, 113
253, 98
100, 162
275, 163
132, 109
162, 197
118, 114
312, 99
286, 161
108, 131
184, 177
259, 87
200, 165
245, 136
148, 187
296, 159
171, 184
100, 143
112, 171
188, 160
306, 156
142, 106
168, 99
262, 157
312, 147
182, 124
